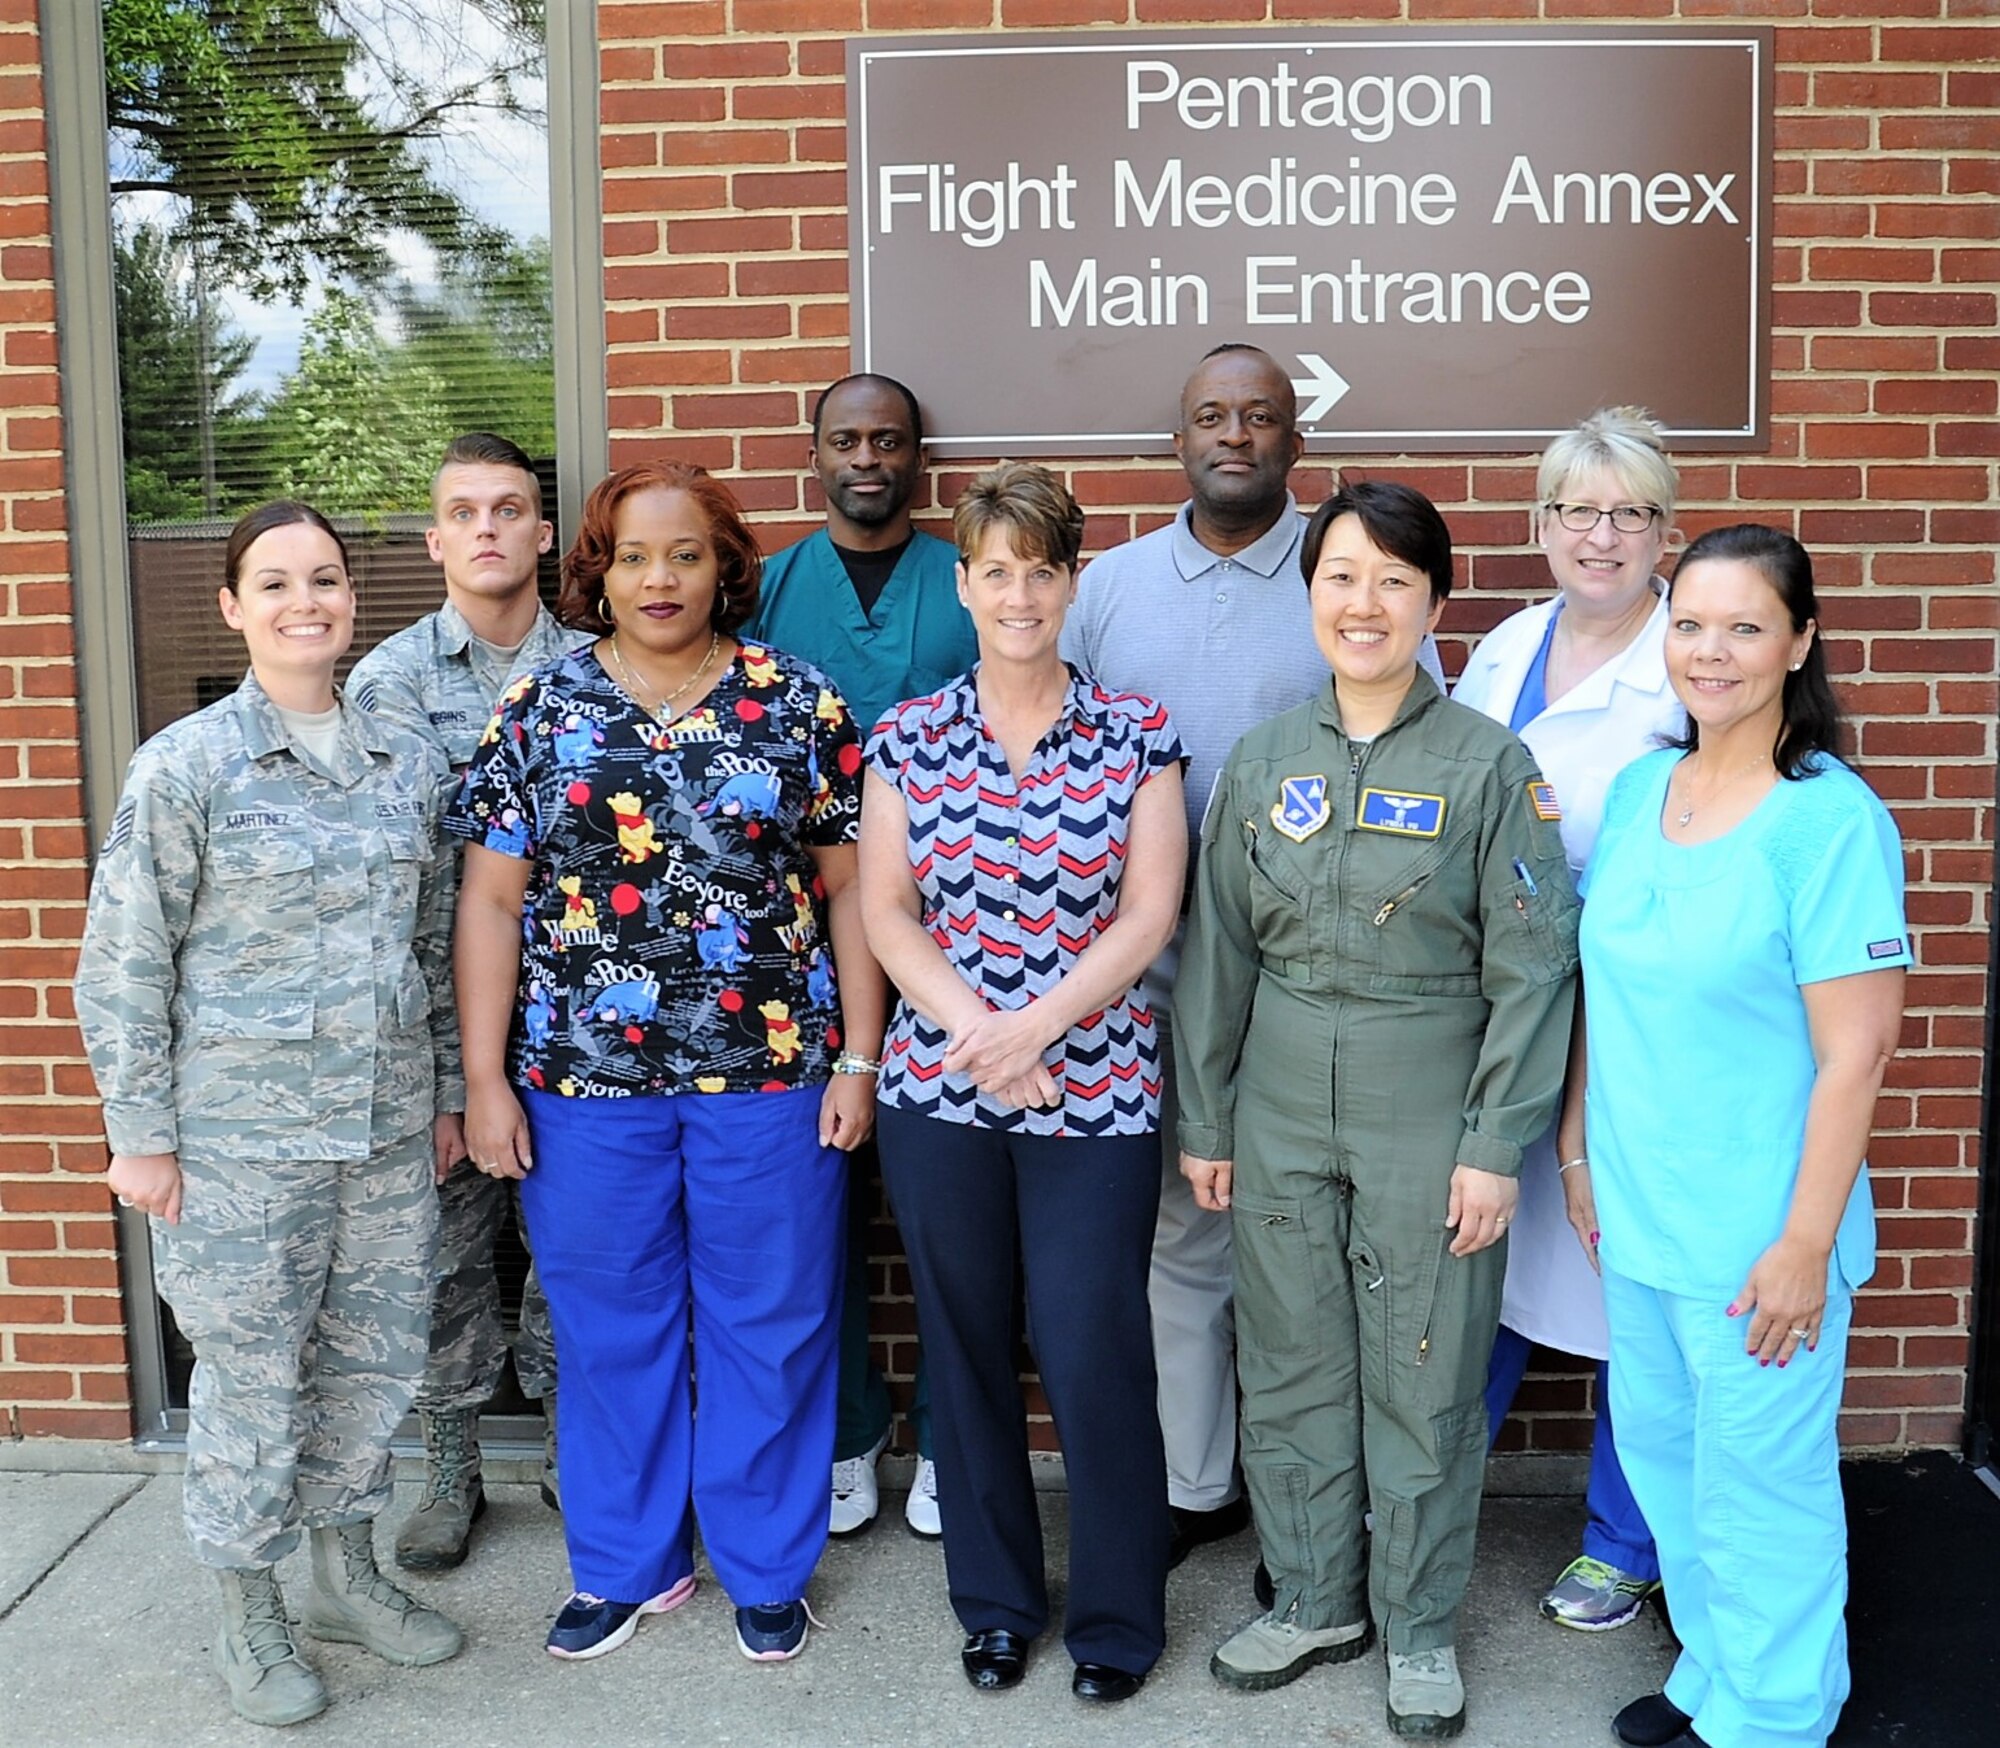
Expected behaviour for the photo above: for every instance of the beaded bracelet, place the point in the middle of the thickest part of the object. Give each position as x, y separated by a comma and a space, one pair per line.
845, 1063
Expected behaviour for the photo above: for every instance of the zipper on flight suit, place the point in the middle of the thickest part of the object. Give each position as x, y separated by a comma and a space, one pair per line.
1391, 905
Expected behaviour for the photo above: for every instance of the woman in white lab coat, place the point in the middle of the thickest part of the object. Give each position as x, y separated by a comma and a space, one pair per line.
1582, 679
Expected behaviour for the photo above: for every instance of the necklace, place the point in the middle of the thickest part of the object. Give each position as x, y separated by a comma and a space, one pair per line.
660, 710
1688, 812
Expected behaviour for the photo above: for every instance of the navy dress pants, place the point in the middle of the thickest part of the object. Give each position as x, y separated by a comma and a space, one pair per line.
1072, 1219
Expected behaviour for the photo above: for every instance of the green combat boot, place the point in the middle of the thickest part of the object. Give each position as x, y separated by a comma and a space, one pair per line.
353, 1604
551, 1488
269, 1682
435, 1536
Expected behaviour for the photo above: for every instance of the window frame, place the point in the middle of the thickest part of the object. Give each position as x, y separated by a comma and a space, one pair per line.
76, 120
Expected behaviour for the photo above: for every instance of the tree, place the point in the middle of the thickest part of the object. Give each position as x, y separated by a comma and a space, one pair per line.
356, 429
248, 114
490, 338
185, 425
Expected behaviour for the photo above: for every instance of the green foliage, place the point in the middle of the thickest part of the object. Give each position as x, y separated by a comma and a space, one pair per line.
247, 112
187, 427
490, 338
359, 428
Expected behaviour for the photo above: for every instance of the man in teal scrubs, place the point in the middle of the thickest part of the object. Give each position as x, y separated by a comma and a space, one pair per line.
874, 605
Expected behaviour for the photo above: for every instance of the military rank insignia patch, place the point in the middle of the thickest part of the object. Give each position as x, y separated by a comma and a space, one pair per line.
1542, 798
1301, 808
1408, 816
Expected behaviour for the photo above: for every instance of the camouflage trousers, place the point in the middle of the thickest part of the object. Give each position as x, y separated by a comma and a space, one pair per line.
304, 1287
468, 1344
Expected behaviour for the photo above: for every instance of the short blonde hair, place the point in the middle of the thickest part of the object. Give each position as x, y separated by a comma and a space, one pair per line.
1041, 518
1625, 442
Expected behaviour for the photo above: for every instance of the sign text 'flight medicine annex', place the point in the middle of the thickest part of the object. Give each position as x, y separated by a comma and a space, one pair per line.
1453, 239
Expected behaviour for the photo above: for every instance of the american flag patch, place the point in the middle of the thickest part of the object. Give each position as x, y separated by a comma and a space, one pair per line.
1542, 798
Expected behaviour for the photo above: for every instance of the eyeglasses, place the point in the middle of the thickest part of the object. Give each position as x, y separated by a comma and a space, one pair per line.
1626, 518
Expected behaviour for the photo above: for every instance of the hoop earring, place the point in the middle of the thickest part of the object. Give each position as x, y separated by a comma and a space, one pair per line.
604, 611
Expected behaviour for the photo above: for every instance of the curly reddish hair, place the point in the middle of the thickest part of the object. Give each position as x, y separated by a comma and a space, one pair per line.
739, 565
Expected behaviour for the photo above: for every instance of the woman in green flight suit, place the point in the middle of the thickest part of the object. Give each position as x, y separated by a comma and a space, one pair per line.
1371, 1024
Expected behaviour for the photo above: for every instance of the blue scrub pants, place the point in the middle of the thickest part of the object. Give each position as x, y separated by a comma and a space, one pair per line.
1072, 1218
1737, 1468
644, 1211
1615, 1530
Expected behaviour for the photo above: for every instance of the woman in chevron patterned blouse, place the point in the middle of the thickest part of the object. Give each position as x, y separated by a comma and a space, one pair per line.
1023, 846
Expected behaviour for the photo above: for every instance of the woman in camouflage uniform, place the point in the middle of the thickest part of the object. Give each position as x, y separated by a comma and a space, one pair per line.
262, 985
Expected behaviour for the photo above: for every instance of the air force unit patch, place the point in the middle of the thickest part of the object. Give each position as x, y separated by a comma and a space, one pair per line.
1301, 808
1408, 816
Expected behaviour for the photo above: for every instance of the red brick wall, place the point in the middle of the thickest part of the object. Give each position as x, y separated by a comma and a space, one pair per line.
725, 234
62, 1345
726, 283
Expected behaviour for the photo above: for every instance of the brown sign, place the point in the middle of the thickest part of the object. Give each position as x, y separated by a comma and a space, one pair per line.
1453, 239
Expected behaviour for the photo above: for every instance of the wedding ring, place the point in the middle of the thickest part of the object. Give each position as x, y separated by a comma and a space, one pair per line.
1801, 1334
125, 1201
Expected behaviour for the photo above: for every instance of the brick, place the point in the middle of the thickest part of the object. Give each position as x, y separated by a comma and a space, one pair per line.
666, 194
1936, 219
1046, 14
731, 321
99, 1423
665, 282
1877, 176
1929, 484
671, 369
730, 60
789, 190
792, 278
1969, 266
729, 236
789, 102
1937, 133
1915, 266
1957, 394
887, 15
727, 146
1877, 90
735, 411
1942, 309
797, 17
1874, 438
677, 106
1980, 439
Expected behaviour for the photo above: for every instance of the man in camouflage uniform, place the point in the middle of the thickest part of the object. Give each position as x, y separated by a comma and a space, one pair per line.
265, 994
440, 679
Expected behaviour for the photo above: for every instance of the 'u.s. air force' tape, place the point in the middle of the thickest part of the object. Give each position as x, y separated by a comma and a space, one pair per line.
1408, 816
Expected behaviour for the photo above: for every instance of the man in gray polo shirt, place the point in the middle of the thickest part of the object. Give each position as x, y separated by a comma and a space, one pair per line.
1210, 616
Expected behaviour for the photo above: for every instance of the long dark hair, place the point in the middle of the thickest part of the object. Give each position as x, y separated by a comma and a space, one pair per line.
1812, 719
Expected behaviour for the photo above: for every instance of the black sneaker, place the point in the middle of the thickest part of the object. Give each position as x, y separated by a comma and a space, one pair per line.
772, 1632
590, 1626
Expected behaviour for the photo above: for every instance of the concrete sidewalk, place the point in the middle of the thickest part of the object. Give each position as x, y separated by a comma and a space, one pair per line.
105, 1625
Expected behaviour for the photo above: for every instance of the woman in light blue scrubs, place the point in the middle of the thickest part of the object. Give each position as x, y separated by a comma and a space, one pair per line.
1744, 949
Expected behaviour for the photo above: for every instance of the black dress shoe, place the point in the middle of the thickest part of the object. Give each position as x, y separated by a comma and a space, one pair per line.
1193, 1528
994, 1659
1653, 1721
1099, 1681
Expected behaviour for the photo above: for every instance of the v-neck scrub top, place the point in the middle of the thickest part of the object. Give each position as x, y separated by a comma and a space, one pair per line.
914, 638
1701, 1061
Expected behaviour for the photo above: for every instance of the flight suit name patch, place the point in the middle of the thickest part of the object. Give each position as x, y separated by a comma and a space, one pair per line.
1301, 808
1407, 816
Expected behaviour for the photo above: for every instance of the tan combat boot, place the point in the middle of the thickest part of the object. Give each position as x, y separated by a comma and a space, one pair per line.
269, 1682
353, 1604
435, 1537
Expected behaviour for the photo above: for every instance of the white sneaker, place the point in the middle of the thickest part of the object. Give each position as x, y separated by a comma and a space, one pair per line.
855, 1498
921, 1511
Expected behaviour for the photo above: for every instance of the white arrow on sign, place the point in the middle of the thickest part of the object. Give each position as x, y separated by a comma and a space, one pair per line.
1322, 383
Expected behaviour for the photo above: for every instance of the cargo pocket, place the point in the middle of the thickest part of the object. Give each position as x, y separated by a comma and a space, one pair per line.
252, 1055
1277, 1294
